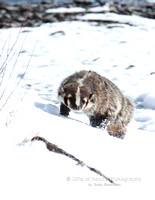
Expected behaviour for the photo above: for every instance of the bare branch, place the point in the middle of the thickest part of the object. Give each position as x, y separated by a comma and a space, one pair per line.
9, 57
12, 68
56, 149
20, 79
4, 63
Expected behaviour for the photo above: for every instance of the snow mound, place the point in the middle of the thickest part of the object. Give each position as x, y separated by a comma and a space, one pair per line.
146, 100
149, 102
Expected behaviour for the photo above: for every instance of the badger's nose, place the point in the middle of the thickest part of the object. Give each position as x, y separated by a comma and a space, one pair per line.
77, 107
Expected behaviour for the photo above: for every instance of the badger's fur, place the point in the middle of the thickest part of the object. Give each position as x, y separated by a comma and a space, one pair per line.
99, 98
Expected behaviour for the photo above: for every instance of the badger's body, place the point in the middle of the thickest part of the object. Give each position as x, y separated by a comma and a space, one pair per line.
99, 98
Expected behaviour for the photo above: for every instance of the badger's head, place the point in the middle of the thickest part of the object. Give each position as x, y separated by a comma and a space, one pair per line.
76, 97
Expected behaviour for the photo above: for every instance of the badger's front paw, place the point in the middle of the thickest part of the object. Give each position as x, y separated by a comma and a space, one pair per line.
64, 110
98, 121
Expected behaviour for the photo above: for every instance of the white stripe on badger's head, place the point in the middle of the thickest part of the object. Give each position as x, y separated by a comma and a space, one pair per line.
69, 96
78, 97
80, 82
88, 102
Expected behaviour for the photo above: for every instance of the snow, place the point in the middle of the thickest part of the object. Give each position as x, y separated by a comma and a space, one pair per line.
78, 9
151, 1
123, 53
66, 10
149, 102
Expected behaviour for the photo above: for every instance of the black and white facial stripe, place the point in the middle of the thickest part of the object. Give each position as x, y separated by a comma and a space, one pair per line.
78, 99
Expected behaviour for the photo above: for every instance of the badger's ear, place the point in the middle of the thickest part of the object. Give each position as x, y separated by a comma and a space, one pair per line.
60, 90
91, 97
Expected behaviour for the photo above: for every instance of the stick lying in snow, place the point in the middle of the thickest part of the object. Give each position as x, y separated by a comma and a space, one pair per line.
54, 148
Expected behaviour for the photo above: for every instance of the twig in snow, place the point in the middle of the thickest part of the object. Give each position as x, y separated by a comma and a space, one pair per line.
56, 149
27, 139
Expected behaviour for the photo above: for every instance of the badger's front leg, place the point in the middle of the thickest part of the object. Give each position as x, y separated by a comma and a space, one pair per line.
99, 121
64, 110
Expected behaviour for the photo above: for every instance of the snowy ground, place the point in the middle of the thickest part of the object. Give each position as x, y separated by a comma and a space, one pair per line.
123, 53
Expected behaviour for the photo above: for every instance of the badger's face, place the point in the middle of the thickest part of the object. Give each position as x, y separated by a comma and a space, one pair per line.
76, 97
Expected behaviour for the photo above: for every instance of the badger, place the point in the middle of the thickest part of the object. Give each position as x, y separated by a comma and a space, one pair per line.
99, 98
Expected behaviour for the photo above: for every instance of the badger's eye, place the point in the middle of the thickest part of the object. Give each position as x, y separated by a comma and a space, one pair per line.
84, 100
66, 101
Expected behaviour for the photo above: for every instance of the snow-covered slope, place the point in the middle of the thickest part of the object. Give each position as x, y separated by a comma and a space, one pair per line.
122, 52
